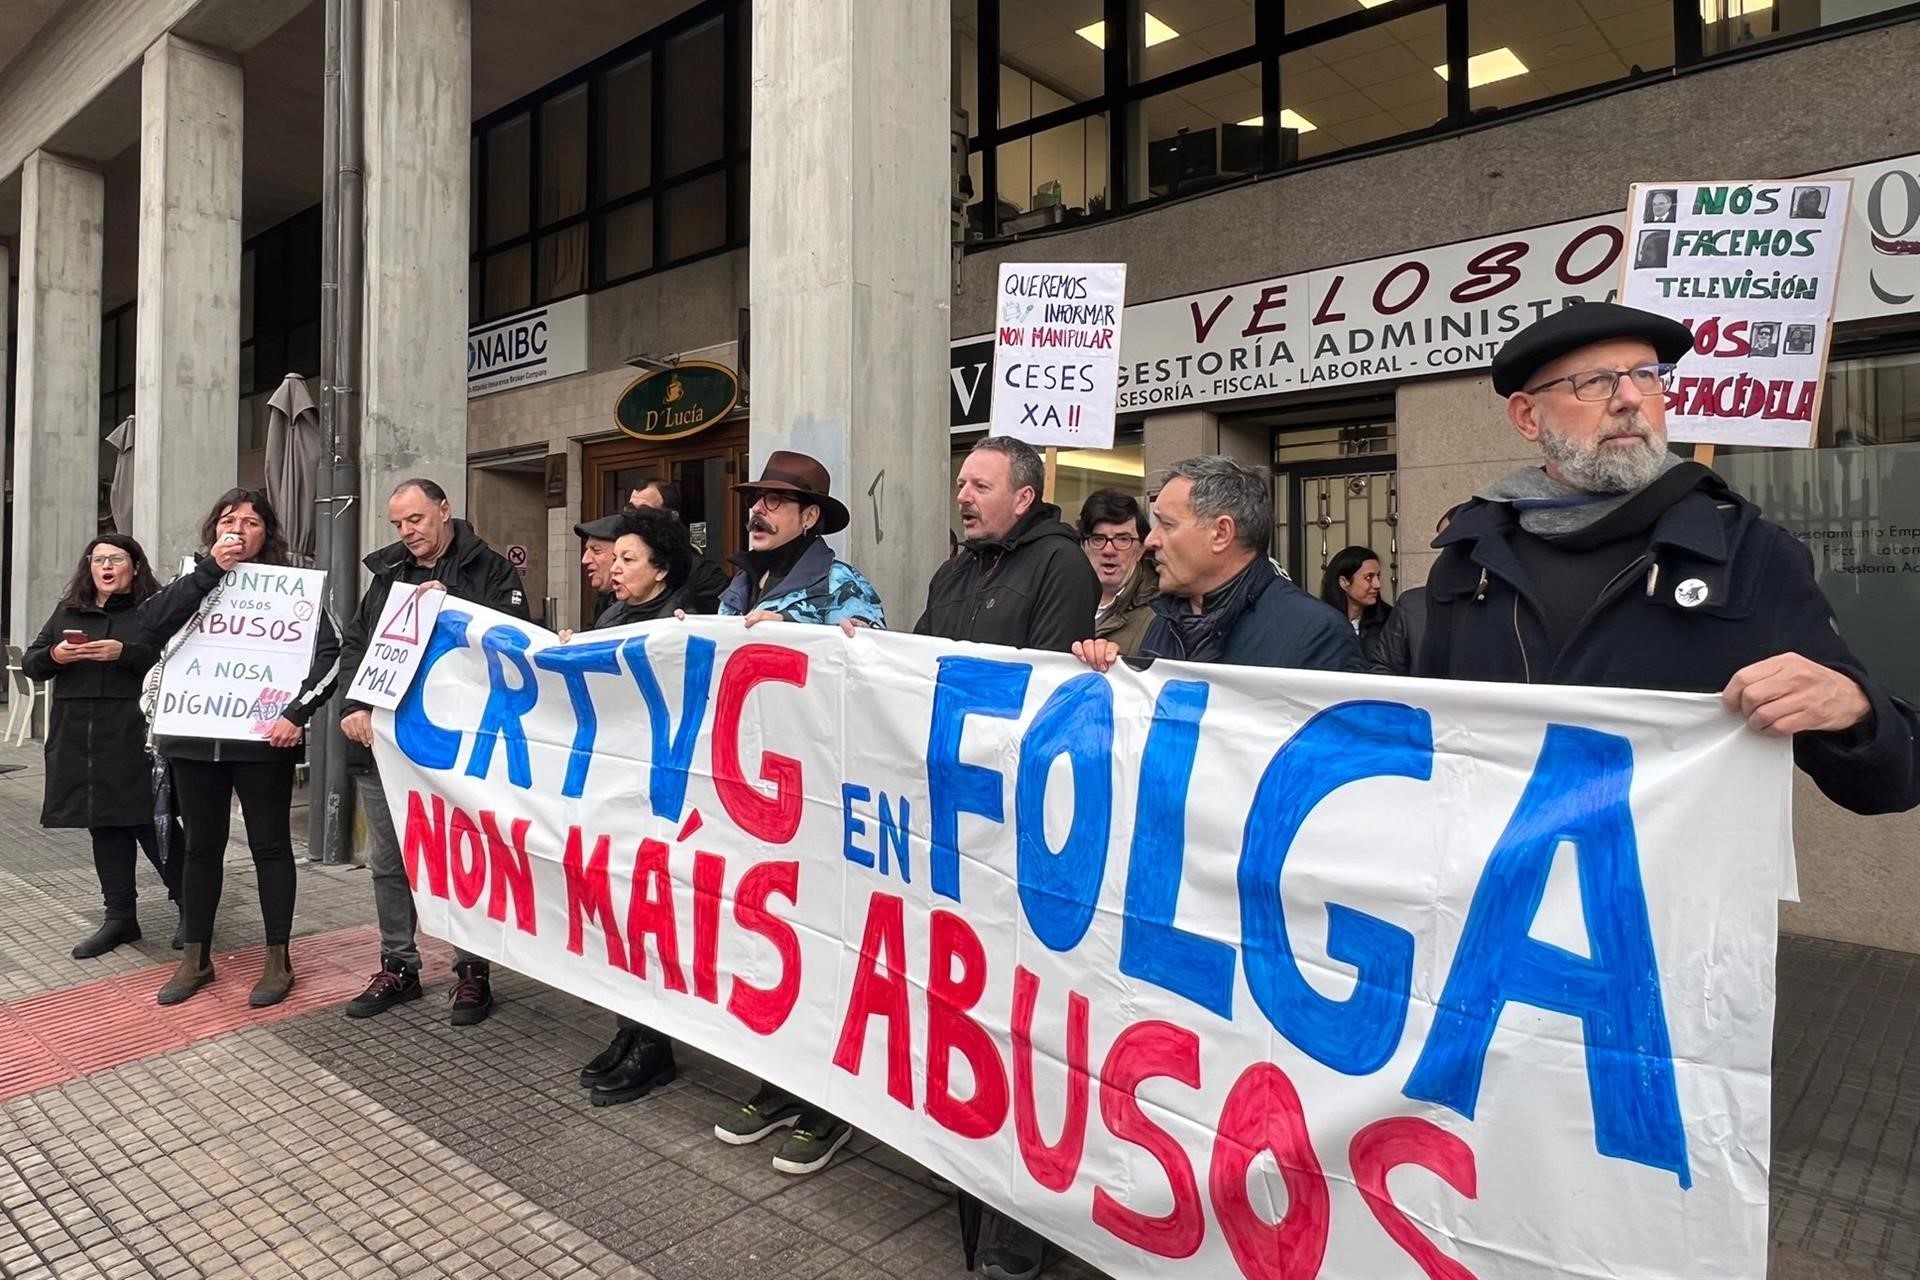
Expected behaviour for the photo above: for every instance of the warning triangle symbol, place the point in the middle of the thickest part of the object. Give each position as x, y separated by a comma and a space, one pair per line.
405, 627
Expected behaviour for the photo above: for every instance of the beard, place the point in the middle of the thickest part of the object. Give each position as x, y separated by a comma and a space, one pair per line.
1599, 467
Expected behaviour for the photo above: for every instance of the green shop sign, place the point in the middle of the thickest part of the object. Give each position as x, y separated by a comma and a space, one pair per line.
677, 402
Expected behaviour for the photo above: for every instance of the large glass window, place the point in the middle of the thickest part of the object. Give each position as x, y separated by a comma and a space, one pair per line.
1188, 94
280, 303
626, 166
1854, 500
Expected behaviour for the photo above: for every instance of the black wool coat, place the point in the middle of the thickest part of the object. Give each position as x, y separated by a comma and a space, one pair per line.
98, 773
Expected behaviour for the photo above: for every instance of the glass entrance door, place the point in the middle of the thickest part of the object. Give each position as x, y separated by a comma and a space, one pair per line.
703, 466
1335, 509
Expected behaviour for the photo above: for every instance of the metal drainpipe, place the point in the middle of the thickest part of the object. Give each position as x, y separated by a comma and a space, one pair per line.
324, 726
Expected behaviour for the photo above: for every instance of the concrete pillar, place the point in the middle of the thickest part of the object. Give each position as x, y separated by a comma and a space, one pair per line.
1169, 437
56, 440
418, 87
187, 370
850, 270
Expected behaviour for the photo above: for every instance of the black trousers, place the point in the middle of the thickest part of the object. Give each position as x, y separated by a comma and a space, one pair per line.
116, 852
203, 792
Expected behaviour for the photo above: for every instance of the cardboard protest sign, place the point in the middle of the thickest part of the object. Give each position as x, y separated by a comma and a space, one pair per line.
1199, 971
1056, 353
1752, 268
246, 657
395, 648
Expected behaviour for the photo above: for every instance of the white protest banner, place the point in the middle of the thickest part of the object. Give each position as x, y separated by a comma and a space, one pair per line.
1752, 268
1444, 309
1199, 971
246, 657
1056, 353
396, 645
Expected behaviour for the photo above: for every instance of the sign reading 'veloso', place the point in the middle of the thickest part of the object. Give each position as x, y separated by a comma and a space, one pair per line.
1444, 310
676, 402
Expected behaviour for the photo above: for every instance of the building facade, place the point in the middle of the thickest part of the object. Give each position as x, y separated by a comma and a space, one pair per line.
1332, 212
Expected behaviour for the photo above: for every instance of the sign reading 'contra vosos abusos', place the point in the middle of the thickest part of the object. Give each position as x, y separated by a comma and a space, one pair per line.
677, 402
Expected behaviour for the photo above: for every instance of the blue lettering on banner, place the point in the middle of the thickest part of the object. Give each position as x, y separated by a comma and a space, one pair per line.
1058, 890
501, 718
1152, 948
852, 826
419, 739
573, 663
893, 834
965, 687
1578, 795
1342, 744
672, 750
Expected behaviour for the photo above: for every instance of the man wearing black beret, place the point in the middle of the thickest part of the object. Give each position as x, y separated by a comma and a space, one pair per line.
1615, 563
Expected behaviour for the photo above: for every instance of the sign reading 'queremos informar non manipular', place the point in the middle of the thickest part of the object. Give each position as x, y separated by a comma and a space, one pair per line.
245, 658
1056, 352
1753, 269
1201, 971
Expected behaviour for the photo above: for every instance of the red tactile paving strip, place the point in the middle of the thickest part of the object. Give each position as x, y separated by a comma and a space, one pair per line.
62, 1035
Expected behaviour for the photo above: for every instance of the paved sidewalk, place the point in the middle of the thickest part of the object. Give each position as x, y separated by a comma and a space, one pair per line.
215, 1141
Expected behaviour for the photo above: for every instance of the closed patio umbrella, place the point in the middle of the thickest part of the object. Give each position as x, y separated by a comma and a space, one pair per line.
293, 454
120, 493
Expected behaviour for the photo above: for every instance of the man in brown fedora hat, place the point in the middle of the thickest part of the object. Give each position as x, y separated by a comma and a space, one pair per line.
789, 573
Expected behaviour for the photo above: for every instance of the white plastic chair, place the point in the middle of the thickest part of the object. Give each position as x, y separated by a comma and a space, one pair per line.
28, 697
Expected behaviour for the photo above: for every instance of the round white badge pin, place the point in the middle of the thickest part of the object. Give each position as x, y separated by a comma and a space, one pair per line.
1690, 593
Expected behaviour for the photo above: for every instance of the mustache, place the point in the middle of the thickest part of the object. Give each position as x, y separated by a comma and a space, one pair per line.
759, 524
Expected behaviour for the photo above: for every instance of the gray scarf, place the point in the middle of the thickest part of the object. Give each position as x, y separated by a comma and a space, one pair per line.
1549, 508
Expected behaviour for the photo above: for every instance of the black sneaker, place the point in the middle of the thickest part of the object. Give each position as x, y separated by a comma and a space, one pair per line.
608, 1058
394, 984
1018, 1253
770, 1109
815, 1137
472, 993
648, 1065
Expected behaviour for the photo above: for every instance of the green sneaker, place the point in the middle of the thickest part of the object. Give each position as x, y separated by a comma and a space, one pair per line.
815, 1137
770, 1109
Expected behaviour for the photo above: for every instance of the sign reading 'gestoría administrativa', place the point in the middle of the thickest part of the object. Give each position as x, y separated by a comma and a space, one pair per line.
531, 346
689, 397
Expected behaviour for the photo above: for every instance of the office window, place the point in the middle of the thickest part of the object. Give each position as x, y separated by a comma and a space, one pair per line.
1055, 177
1166, 37
509, 157
1727, 25
1365, 87
1520, 51
1050, 57
628, 232
626, 149
695, 214
695, 122
280, 303
1198, 136
563, 156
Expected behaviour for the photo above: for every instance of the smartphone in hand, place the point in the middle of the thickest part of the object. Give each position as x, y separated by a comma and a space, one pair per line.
76, 638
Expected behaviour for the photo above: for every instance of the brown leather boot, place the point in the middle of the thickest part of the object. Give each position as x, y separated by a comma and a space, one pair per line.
275, 980
195, 972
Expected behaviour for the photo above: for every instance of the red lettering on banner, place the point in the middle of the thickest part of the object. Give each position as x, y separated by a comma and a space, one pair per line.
1142, 1052
773, 818
426, 841
1386, 1144
1326, 314
1494, 272
590, 897
509, 872
950, 1030
1380, 290
1563, 267
650, 911
709, 877
881, 994
1263, 1113
469, 859
1200, 329
1272, 298
1053, 1167
764, 1010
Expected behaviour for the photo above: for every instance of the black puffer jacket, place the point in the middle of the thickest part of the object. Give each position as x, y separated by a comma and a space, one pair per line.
174, 607
470, 570
1033, 589
97, 769
1714, 588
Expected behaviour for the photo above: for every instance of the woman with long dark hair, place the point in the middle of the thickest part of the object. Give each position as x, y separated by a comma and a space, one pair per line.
93, 654
208, 773
1352, 585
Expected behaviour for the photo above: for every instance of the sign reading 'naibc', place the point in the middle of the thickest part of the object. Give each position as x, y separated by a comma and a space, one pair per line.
1201, 971
532, 346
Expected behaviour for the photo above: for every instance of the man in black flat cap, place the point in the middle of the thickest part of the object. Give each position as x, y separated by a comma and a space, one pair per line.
1615, 563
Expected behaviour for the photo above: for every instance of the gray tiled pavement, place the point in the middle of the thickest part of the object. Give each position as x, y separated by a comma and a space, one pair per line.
317, 1147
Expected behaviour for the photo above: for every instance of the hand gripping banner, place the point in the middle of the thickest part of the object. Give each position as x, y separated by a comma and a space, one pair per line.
1199, 971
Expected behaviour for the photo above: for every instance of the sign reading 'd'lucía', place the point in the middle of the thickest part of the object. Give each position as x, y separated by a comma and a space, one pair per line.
677, 402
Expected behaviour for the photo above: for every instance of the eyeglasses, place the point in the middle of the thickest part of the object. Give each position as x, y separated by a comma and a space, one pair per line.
1118, 541
1600, 384
771, 499
108, 562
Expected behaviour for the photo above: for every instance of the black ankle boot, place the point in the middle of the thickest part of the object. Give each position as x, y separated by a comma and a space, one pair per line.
647, 1065
610, 1057
114, 932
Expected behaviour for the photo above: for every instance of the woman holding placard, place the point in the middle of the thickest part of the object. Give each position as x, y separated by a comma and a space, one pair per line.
208, 773
93, 654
